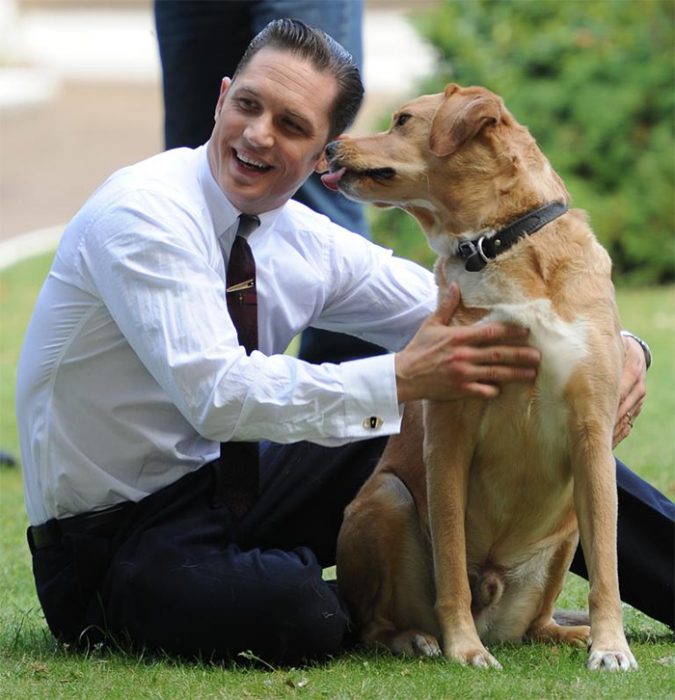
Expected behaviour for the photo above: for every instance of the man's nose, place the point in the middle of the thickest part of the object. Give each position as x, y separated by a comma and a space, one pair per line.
259, 132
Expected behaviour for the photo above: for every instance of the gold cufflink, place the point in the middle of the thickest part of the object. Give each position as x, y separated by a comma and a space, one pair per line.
372, 423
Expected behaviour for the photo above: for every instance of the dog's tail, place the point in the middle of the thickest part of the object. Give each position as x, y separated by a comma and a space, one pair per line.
487, 588
571, 618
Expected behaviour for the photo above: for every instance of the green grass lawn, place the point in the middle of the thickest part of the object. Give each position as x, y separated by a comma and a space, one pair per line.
32, 665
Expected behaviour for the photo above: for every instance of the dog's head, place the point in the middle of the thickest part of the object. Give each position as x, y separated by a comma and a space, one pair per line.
457, 161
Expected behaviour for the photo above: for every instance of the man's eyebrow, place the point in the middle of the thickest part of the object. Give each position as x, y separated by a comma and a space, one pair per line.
242, 87
299, 117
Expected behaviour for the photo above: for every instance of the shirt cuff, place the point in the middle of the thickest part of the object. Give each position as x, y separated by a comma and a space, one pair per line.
371, 403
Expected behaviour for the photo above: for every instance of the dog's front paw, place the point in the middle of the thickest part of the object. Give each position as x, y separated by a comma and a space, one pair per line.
473, 655
611, 660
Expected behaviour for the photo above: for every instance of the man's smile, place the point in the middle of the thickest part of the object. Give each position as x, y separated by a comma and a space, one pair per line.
250, 163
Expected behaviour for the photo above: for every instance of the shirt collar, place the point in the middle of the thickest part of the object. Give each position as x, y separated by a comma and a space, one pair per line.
223, 213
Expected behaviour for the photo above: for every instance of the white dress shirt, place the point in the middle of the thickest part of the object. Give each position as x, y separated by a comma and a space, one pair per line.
131, 373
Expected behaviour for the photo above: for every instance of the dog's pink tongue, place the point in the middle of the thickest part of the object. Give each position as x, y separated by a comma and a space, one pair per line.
330, 180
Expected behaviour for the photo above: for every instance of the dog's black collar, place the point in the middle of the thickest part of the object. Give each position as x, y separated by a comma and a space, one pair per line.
478, 254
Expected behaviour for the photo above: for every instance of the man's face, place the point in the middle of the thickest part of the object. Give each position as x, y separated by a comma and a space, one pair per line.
271, 127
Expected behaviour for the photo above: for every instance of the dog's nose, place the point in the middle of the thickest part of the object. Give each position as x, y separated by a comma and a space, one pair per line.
331, 149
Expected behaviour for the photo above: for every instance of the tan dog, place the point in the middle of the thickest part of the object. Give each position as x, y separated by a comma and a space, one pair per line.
471, 542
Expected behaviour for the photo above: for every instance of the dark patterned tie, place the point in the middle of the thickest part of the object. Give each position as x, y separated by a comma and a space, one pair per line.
242, 298
239, 460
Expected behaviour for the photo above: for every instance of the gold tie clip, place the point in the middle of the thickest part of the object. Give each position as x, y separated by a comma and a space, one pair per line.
240, 286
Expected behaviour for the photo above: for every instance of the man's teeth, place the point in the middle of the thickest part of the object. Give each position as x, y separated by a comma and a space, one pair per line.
252, 163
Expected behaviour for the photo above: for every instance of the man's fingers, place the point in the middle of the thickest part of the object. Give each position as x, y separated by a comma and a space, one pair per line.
448, 304
491, 333
622, 428
511, 355
469, 373
501, 374
631, 404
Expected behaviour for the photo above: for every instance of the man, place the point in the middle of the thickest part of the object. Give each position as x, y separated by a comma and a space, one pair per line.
199, 42
132, 373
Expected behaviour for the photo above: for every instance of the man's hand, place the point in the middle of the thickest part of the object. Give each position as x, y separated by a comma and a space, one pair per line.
443, 362
632, 390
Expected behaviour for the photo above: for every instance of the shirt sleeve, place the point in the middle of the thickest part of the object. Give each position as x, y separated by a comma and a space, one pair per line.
373, 294
165, 291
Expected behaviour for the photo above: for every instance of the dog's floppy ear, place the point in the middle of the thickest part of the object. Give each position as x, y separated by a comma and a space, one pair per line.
461, 116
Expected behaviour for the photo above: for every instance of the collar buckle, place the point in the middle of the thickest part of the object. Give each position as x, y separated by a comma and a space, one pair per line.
473, 255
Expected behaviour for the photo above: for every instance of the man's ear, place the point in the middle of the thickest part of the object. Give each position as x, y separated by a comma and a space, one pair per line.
461, 116
224, 87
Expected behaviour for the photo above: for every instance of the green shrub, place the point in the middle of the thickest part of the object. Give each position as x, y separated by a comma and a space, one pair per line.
594, 82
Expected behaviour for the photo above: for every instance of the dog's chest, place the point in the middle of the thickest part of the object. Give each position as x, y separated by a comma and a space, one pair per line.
521, 465
492, 296
537, 417
563, 345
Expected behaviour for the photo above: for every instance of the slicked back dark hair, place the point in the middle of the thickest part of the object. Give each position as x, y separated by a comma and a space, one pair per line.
325, 54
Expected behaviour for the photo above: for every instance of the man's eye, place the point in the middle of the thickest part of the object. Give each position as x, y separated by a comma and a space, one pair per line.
402, 119
293, 126
245, 104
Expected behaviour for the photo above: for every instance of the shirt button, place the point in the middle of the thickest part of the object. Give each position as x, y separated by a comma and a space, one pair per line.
372, 423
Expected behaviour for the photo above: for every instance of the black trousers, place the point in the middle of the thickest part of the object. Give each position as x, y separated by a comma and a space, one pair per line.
175, 573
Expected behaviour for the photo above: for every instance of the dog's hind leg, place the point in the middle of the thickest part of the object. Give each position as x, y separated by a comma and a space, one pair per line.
384, 572
384, 569
544, 628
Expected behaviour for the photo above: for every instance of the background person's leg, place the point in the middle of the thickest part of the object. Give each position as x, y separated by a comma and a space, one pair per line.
199, 44
342, 20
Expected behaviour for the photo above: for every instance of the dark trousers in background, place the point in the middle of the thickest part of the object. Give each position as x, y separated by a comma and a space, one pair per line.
199, 44
176, 574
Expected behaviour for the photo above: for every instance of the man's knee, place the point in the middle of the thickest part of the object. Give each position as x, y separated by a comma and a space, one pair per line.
316, 622
272, 603
299, 615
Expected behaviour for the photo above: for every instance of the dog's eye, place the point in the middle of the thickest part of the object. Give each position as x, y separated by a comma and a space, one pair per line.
402, 119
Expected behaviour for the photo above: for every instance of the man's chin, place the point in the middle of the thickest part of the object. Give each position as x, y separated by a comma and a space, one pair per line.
252, 200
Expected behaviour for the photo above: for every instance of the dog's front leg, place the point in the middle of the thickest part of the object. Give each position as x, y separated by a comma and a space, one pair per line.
595, 500
450, 432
